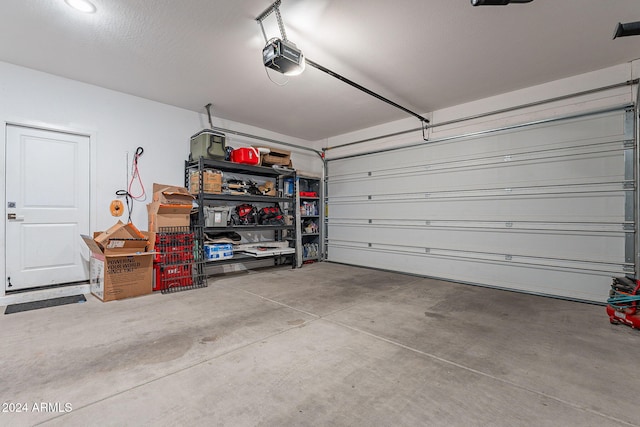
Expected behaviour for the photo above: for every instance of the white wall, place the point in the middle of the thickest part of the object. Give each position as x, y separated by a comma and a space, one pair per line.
117, 123
596, 79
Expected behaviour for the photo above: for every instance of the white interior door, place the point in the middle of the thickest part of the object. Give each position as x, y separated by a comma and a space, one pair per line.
47, 193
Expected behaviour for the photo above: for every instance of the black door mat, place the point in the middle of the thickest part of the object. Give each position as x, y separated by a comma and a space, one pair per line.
34, 305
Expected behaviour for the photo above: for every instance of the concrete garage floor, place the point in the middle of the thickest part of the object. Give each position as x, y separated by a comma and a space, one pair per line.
327, 344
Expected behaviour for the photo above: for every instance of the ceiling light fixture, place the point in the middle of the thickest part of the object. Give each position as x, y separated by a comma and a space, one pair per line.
281, 55
82, 5
628, 29
497, 2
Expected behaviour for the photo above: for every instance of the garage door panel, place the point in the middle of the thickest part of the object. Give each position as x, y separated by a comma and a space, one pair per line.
552, 201
580, 134
578, 283
594, 168
539, 243
558, 208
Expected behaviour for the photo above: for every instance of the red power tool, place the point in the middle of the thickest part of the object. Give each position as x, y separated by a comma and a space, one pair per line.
624, 302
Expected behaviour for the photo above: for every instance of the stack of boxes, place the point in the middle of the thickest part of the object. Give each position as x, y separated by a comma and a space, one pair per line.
175, 263
171, 207
126, 262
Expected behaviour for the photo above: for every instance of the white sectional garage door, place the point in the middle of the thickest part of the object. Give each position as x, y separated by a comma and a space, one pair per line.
545, 208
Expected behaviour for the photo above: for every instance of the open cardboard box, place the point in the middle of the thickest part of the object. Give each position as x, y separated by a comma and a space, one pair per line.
276, 156
121, 238
171, 207
120, 266
168, 215
171, 195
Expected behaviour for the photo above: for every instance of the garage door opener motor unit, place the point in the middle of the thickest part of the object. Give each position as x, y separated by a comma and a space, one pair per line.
283, 56
208, 143
624, 302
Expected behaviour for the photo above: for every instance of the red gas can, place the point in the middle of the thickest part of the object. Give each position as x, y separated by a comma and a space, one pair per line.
246, 155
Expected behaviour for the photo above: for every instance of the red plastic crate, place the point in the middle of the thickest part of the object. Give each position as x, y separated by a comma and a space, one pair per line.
174, 238
172, 276
174, 254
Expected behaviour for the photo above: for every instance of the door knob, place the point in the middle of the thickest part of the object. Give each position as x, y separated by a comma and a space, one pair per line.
14, 217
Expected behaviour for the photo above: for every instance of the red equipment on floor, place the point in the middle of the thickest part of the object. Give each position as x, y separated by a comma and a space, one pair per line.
624, 302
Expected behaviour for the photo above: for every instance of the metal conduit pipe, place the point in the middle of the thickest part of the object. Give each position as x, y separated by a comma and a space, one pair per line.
483, 132
546, 101
491, 113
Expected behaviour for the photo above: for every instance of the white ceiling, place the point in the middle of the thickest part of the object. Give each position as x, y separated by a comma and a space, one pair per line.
422, 54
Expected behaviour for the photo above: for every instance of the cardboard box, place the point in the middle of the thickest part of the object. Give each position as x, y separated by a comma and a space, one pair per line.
171, 195
276, 156
121, 238
211, 181
115, 276
161, 215
218, 251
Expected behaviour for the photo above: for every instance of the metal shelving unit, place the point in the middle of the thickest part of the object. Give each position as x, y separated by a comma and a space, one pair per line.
287, 203
310, 207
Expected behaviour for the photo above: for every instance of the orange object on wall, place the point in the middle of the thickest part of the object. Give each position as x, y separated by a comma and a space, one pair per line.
117, 208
